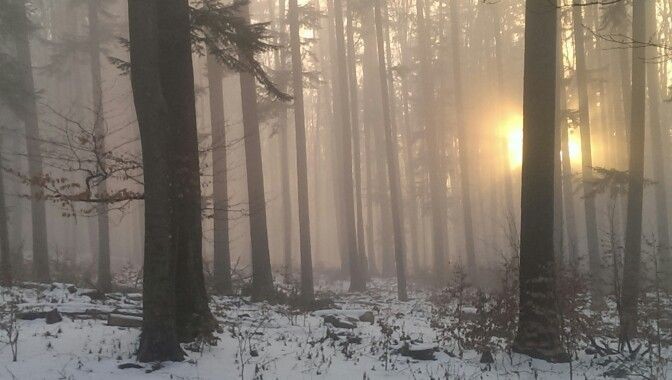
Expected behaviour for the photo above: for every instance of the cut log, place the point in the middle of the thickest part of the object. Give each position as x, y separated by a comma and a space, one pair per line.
120, 320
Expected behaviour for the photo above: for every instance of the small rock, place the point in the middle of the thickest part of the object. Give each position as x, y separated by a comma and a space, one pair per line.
254, 353
53, 317
486, 357
72, 289
129, 365
419, 351
338, 323
367, 317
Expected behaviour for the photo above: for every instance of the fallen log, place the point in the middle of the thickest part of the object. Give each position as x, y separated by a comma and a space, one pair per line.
121, 320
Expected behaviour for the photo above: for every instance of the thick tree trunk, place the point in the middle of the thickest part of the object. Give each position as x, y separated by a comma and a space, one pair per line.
104, 275
158, 341
220, 192
539, 322
177, 82
262, 277
633, 233
594, 259
34, 151
392, 162
307, 292
357, 279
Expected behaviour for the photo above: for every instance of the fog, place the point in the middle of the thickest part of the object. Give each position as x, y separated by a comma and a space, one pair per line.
411, 130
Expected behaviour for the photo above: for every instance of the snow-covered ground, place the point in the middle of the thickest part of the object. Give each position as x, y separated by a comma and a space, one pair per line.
263, 341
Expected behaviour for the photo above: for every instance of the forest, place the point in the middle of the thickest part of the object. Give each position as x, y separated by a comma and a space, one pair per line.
374, 189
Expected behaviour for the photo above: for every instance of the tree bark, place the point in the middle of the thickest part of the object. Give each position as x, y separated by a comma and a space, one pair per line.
594, 259
357, 280
262, 277
392, 162
354, 121
220, 192
539, 322
434, 159
633, 233
104, 274
158, 341
6, 276
657, 140
34, 150
307, 292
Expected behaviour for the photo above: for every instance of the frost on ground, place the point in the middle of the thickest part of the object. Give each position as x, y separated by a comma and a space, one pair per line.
64, 333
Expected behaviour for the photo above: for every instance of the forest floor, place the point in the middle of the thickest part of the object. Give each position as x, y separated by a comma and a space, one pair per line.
359, 336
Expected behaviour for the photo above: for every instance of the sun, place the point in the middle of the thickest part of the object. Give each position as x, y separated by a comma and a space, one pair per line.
514, 136
513, 128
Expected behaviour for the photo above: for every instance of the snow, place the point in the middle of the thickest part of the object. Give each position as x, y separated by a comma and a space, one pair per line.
260, 340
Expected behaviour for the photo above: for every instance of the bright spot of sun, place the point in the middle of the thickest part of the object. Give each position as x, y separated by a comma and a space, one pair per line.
574, 142
514, 135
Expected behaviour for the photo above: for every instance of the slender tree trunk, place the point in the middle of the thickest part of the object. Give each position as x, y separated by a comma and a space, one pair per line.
34, 151
337, 145
539, 322
409, 161
6, 274
437, 188
220, 190
283, 126
657, 140
594, 259
354, 120
307, 292
465, 167
633, 234
558, 224
158, 341
392, 162
104, 275
357, 280
262, 277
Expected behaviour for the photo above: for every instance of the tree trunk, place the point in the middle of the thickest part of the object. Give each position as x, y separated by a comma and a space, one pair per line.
434, 159
307, 292
104, 275
357, 280
633, 233
392, 162
220, 192
34, 150
283, 127
465, 168
594, 259
262, 277
354, 121
158, 341
6, 277
539, 322
177, 81
657, 140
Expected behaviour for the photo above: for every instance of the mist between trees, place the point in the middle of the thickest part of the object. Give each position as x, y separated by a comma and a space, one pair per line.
258, 148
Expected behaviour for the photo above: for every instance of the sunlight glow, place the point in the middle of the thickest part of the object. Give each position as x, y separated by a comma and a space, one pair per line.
514, 135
